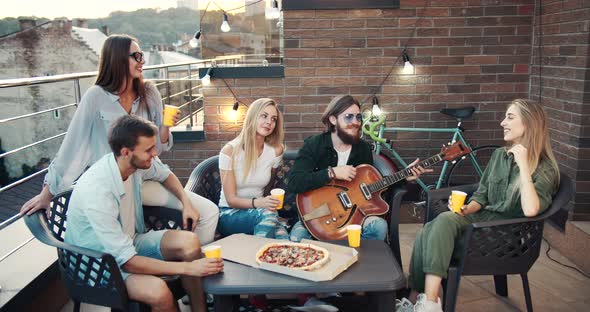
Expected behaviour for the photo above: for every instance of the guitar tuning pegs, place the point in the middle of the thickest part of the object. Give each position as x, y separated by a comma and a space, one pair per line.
453, 162
463, 157
449, 143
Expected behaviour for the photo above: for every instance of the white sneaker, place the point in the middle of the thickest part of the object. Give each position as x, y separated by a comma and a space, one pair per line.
404, 305
425, 305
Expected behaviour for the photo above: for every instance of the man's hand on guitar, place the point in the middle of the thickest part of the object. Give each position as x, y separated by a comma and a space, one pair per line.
346, 173
268, 202
416, 171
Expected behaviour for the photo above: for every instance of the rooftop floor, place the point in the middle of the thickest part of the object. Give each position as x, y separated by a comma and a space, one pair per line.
553, 286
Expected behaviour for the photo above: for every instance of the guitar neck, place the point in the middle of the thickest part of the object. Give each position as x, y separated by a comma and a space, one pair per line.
402, 174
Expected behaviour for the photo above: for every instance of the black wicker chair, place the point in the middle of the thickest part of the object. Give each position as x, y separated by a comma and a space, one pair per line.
91, 276
497, 248
205, 181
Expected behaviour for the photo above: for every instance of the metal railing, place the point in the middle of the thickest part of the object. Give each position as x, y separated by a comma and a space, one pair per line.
188, 74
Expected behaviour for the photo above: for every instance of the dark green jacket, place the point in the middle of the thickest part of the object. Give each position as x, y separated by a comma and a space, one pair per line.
310, 170
497, 191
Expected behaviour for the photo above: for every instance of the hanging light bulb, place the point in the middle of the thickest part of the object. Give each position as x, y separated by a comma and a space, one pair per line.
274, 12
233, 115
408, 67
195, 41
206, 80
375, 110
225, 25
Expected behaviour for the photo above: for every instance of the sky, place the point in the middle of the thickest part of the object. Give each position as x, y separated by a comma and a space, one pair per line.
91, 8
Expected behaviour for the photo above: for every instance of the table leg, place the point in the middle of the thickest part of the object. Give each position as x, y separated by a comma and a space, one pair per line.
382, 301
226, 303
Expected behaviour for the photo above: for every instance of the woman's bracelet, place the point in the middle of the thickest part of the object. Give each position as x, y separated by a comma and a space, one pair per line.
253, 206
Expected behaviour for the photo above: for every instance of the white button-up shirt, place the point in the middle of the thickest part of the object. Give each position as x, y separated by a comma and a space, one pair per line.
94, 211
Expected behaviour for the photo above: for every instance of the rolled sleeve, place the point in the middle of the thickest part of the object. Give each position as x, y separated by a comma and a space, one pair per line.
105, 224
545, 187
154, 101
157, 171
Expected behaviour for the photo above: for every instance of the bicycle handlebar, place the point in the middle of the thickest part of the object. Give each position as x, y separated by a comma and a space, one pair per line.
372, 126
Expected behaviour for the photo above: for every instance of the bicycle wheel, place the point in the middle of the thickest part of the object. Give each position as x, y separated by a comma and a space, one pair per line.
463, 171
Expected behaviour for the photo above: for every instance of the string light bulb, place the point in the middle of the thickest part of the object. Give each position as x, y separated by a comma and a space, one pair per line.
375, 110
233, 114
225, 25
408, 67
194, 42
274, 12
206, 80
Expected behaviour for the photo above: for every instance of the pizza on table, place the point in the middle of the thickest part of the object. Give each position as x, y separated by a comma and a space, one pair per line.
297, 256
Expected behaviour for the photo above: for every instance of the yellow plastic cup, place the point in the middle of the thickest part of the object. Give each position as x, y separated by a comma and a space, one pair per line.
354, 235
278, 194
212, 251
457, 200
169, 112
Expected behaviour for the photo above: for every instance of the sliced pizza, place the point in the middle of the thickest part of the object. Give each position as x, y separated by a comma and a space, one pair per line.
297, 256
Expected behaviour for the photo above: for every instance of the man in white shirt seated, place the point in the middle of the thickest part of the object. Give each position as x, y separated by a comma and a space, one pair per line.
105, 214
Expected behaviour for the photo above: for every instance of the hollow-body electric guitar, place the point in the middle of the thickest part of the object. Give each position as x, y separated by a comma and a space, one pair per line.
326, 211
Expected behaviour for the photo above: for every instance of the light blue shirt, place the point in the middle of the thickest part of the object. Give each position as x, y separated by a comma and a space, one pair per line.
87, 137
94, 213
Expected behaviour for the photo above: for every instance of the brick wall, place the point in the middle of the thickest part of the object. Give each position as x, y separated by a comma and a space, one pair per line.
465, 52
565, 89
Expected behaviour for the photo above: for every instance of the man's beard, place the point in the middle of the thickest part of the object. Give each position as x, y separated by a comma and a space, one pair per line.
348, 138
135, 163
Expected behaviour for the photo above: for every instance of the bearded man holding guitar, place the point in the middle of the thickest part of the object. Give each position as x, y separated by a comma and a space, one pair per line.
333, 156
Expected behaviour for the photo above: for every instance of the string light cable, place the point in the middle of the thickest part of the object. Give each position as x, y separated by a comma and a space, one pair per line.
561, 263
402, 55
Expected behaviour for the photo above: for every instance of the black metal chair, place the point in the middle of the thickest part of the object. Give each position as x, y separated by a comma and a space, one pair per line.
205, 181
91, 276
499, 247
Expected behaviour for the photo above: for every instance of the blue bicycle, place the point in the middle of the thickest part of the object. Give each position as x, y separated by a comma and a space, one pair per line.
467, 169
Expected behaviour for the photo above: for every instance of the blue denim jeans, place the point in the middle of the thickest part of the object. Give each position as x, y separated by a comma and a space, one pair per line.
258, 222
373, 228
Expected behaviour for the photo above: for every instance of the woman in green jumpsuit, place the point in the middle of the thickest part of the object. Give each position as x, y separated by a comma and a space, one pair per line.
520, 180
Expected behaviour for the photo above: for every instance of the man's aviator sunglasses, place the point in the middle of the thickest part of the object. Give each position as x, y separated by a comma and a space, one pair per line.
137, 56
349, 117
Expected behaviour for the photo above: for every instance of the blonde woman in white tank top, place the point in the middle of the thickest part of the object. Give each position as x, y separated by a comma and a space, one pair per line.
247, 165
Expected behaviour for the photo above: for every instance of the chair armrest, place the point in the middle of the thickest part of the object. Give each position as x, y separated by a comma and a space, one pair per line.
394, 216
162, 218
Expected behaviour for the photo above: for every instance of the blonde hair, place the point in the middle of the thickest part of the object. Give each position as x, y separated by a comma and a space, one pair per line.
246, 140
536, 135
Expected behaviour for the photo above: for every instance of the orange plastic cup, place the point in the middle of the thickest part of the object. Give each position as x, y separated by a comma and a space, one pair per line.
457, 200
169, 112
212, 251
278, 194
354, 235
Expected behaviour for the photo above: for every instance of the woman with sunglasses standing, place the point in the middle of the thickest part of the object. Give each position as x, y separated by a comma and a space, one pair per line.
119, 89
334, 154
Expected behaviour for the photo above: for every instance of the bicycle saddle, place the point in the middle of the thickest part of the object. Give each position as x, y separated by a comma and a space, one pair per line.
459, 113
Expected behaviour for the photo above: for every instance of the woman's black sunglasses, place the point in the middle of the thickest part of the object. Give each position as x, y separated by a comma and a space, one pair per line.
137, 56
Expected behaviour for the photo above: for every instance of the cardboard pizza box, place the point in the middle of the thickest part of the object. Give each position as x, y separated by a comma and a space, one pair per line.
242, 248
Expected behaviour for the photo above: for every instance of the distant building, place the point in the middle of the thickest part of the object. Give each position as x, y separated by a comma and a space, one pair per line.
191, 4
52, 48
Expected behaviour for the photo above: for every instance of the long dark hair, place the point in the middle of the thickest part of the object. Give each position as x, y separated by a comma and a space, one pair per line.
113, 68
